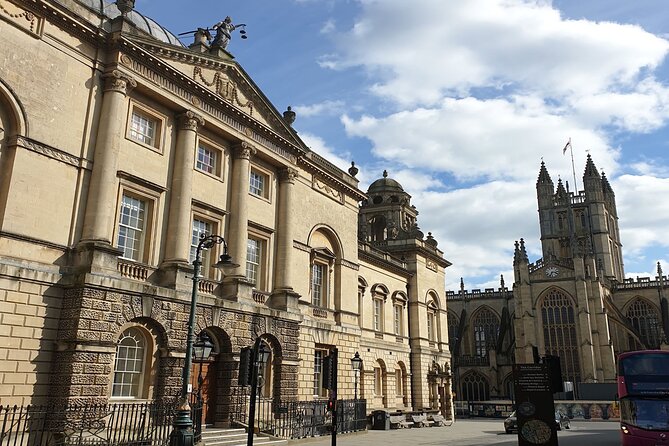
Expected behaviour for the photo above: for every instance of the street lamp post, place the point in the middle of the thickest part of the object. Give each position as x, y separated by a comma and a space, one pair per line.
182, 433
356, 364
201, 350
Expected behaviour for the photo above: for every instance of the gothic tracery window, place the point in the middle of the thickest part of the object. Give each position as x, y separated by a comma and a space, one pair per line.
486, 330
646, 320
452, 330
475, 387
559, 326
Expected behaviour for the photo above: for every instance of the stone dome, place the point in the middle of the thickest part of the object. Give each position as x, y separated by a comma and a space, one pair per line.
384, 185
108, 10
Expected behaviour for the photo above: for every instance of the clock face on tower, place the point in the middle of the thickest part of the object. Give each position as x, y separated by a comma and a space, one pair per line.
552, 271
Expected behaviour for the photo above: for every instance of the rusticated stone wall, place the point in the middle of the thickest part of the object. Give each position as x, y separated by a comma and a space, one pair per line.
93, 319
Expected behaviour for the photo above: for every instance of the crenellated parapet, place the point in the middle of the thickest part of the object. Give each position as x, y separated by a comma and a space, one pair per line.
487, 293
640, 283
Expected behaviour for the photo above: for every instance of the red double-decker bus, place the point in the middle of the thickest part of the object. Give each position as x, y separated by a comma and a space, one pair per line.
643, 389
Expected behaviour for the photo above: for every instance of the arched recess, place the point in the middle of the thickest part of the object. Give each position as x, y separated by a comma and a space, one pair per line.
362, 287
646, 319
401, 384
433, 319
485, 330
12, 113
274, 369
475, 387
558, 318
137, 366
325, 268
378, 226
381, 381
13, 123
219, 373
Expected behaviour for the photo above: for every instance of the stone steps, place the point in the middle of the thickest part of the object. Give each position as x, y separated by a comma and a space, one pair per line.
212, 436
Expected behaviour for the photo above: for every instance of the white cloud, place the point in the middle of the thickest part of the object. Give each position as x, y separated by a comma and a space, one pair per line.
472, 138
594, 73
325, 107
642, 211
328, 27
492, 43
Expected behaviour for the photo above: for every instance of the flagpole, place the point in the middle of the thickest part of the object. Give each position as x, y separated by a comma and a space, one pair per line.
573, 169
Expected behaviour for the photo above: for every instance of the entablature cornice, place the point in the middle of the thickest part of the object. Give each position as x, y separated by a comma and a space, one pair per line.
377, 259
329, 179
150, 68
65, 19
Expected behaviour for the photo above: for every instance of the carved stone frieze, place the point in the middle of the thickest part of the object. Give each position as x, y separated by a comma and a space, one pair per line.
327, 190
211, 104
21, 17
224, 87
432, 266
48, 151
118, 81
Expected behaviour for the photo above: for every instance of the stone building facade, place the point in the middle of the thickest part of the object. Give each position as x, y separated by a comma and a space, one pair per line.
120, 148
574, 302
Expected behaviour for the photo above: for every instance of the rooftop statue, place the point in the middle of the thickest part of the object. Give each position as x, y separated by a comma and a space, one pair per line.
224, 30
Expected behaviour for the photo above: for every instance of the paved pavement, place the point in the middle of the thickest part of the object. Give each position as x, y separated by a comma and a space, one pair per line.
471, 432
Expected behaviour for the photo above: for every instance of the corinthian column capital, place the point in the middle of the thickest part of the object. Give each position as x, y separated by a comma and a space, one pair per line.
287, 175
118, 81
190, 121
244, 150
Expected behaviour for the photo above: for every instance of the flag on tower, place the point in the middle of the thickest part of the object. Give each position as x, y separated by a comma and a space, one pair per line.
566, 146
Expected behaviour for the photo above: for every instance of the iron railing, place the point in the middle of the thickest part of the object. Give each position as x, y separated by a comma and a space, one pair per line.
298, 419
132, 424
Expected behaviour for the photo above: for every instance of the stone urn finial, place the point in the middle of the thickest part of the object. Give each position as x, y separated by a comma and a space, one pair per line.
125, 6
353, 171
289, 116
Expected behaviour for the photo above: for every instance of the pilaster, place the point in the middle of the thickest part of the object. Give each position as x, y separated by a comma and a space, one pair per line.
180, 222
238, 233
283, 263
101, 204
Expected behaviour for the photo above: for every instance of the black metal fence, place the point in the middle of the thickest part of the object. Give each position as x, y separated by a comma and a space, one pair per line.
134, 424
150, 424
299, 419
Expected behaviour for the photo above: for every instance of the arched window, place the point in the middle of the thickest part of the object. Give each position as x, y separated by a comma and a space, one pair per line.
557, 316
378, 233
646, 320
130, 364
508, 387
452, 330
432, 310
475, 387
486, 329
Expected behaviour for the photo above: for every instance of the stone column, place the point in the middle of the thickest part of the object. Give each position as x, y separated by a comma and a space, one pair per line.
239, 212
283, 263
100, 219
180, 223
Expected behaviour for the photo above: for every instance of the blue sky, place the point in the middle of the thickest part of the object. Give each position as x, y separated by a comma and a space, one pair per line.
461, 100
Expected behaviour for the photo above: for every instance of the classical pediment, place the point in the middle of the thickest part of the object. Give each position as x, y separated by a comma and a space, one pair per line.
223, 78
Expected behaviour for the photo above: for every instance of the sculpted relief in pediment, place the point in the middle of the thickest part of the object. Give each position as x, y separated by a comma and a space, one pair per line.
225, 87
